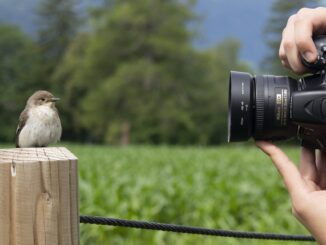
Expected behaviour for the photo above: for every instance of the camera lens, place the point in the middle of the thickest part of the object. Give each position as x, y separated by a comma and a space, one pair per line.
259, 107
240, 118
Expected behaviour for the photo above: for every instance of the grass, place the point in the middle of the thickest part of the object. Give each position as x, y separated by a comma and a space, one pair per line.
231, 187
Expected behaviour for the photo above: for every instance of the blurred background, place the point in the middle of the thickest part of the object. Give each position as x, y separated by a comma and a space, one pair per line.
135, 72
153, 75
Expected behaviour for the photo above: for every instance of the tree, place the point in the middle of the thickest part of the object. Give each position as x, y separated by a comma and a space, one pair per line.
58, 26
136, 69
19, 69
137, 78
281, 11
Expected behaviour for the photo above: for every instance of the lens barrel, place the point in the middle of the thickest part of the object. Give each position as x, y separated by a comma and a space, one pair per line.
272, 107
240, 117
259, 107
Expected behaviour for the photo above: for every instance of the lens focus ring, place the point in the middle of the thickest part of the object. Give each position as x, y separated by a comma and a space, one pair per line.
260, 107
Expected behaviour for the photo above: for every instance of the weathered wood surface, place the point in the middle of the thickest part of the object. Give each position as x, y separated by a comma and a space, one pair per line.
38, 197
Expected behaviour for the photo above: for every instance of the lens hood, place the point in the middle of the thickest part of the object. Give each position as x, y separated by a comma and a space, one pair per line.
240, 117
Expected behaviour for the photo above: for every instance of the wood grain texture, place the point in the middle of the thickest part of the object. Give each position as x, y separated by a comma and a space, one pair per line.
38, 197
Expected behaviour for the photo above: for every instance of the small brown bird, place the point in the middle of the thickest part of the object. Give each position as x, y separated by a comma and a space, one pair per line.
39, 124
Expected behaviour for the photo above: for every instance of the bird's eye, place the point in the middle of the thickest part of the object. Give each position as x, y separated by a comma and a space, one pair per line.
42, 99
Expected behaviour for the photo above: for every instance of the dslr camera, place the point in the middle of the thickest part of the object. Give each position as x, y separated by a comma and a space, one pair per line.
268, 107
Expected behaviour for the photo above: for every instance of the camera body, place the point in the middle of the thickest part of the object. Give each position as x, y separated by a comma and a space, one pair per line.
308, 110
268, 107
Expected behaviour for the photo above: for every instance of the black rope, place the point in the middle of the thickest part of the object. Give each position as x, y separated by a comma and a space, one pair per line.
192, 230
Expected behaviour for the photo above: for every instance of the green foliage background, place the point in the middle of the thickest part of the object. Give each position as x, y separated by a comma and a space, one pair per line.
19, 72
133, 76
230, 187
129, 73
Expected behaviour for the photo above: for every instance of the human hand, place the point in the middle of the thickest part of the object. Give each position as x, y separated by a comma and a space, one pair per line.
306, 185
297, 38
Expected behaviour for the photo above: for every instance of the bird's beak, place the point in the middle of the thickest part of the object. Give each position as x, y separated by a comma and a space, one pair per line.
54, 99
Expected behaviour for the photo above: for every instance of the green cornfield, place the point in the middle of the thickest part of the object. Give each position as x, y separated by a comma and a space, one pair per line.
232, 187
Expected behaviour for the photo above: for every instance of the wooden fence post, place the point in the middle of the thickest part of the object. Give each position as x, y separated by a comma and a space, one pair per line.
38, 197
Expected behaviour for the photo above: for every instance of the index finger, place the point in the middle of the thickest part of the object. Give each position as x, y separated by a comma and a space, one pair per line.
309, 22
289, 172
303, 30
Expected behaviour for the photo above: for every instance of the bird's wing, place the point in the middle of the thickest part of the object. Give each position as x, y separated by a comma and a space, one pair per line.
22, 121
59, 124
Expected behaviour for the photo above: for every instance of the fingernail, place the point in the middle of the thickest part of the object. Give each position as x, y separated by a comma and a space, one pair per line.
309, 56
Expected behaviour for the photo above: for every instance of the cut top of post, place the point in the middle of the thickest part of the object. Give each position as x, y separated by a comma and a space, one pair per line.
26, 155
